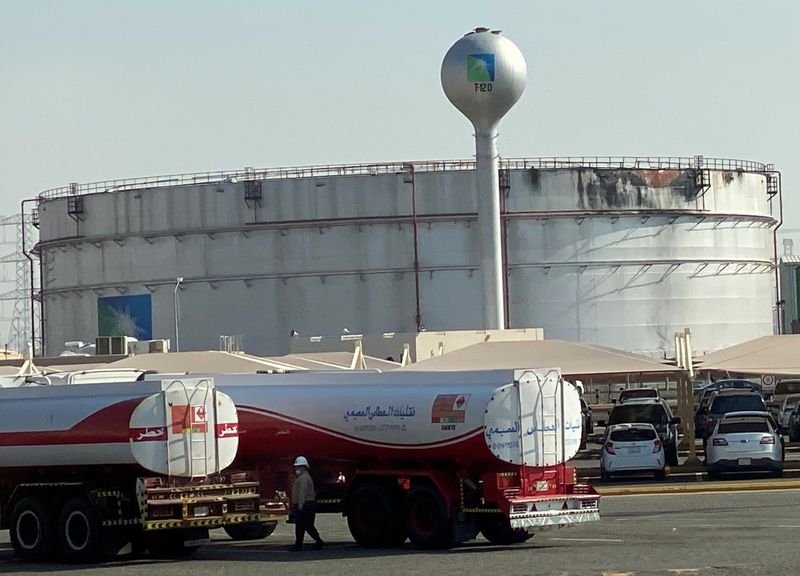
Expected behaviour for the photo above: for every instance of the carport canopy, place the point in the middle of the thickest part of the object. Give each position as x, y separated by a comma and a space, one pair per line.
219, 362
575, 359
777, 355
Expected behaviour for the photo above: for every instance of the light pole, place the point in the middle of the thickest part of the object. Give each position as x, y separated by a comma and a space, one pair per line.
177, 308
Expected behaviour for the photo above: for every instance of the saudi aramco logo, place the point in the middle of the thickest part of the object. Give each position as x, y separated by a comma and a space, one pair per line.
480, 71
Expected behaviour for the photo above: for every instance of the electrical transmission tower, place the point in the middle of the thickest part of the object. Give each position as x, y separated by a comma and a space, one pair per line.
17, 300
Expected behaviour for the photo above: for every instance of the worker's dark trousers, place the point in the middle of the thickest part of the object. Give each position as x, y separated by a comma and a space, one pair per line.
304, 522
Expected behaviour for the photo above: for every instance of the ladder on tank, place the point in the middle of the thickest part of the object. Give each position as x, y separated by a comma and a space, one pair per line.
549, 440
195, 443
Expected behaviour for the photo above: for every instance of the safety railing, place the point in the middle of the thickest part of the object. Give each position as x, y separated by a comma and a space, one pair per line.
556, 162
639, 163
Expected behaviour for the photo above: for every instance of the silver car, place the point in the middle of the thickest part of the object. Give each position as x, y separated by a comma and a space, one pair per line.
631, 447
742, 441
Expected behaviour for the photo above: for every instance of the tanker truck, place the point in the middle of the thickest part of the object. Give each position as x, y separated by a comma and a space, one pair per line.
434, 458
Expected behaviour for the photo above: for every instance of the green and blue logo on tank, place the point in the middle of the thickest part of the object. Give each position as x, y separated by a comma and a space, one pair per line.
125, 316
480, 67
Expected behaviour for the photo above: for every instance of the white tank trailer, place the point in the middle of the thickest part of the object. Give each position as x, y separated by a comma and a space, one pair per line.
622, 252
485, 449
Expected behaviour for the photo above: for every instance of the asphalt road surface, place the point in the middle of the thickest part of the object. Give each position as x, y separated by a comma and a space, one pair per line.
731, 533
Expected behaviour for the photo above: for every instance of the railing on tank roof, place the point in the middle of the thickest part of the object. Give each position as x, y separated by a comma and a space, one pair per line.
618, 162
251, 174
638, 163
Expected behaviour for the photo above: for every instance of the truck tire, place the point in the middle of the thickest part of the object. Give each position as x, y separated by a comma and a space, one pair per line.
497, 529
427, 521
251, 530
372, 519
79, 531
32, 531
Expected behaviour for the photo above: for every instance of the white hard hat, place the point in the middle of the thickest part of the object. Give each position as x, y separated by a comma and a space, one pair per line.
301, 461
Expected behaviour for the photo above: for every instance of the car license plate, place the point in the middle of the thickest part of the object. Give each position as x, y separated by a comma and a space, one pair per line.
744, 462
634, 450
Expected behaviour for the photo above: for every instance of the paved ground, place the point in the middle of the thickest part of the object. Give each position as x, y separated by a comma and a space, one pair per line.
708, 534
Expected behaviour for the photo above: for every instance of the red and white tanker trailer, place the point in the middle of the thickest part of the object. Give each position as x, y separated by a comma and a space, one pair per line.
430, 457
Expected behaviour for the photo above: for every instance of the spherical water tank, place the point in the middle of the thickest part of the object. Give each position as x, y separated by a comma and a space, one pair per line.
483, 75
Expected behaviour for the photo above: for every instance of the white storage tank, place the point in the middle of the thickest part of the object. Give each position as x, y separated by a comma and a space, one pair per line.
621, 252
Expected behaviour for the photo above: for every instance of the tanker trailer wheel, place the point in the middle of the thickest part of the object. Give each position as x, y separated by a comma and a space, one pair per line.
372, 519
427, 521
250, 530
79, 531
497, 529
32, 530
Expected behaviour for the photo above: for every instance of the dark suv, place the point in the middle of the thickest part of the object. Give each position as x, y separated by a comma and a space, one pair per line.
631, 393
721, 403
653, 411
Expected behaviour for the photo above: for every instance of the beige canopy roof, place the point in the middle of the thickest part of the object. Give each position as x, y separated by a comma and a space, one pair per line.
333, 361
778, 355
574, 359
206, 362
216, 362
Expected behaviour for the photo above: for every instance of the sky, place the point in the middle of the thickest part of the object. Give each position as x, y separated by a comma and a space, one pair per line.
93, 90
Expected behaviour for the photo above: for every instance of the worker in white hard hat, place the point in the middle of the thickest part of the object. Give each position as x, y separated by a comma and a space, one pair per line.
303, 505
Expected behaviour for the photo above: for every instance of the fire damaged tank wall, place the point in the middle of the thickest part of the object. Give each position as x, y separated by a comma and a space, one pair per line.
632, 256
619, 257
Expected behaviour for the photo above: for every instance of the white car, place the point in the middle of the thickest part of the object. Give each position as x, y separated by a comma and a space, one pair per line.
633, 447
743, 441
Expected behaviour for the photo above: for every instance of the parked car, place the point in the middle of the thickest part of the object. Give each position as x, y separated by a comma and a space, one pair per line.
774, 409
785, 388
788, 406
744, 441
653, 411
631, 448
726, 384
793, 427
702, 410
630, 393
724, 401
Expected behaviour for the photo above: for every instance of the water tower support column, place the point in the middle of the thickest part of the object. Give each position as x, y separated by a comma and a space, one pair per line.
489, 224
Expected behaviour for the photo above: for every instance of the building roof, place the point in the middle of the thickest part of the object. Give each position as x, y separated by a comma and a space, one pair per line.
778, 355
573, 358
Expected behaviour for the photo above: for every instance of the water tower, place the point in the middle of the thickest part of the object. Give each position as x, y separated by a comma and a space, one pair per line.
483, 75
